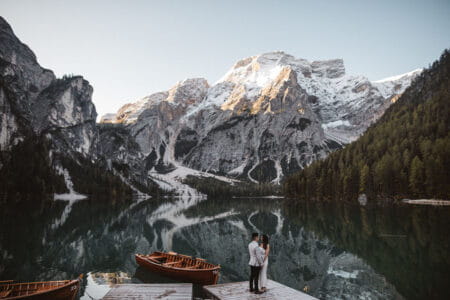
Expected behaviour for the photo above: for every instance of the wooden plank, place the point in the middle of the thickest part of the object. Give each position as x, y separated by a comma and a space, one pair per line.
240, 290
6, 281
193, 267
163, 291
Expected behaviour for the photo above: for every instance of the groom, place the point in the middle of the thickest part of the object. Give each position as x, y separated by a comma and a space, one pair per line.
255, 263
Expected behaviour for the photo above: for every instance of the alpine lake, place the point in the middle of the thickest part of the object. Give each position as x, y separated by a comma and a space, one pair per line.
329, 250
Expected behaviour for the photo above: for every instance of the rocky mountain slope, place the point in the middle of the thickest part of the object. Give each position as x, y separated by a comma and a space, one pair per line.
269, 116
32, 98
35, 105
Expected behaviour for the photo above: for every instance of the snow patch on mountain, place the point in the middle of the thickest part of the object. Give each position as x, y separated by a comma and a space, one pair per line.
401, 76
336, 124
396, 85
172, 181
72, 196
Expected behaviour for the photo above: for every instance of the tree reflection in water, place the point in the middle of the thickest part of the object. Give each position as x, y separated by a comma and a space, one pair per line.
409, 245
332, 250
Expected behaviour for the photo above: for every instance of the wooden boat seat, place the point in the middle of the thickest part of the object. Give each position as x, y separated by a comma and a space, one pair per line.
155, 260
156, 256
171, 263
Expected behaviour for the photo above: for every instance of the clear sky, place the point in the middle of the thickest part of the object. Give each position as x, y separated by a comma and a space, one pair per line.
130, 49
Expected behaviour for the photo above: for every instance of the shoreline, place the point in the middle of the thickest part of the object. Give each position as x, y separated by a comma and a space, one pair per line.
433, 202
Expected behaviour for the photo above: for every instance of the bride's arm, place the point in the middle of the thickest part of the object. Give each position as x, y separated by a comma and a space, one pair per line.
267, 252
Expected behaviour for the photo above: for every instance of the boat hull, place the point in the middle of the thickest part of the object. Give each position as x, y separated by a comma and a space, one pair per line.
202, 277
67, 291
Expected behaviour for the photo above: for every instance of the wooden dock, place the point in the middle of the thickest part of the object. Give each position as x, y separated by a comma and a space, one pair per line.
184, 291
240, 290
161, 291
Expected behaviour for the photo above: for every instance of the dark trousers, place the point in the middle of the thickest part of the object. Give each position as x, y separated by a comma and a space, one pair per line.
254, 278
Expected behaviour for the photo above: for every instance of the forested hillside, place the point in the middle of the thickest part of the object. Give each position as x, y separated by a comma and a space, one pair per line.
27, 173
406, 154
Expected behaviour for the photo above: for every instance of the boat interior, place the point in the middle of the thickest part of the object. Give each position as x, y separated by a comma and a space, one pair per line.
10, 289
174, 260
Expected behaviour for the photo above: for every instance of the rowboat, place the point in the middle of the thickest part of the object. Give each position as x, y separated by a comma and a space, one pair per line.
180, 267
57, 290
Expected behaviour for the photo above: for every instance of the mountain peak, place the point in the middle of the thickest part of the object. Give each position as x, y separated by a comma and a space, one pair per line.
263, 68
273, 56
412, 73
396, 85
11, 48
188, 91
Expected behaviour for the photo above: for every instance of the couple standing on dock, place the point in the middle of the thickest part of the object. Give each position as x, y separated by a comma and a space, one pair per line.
259, 261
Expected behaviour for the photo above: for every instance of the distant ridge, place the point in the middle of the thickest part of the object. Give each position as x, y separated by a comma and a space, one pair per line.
405, 154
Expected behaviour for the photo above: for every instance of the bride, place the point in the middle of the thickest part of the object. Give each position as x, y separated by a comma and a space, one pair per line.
263, 274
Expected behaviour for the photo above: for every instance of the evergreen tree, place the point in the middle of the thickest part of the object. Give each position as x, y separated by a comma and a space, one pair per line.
364, 179
417, 178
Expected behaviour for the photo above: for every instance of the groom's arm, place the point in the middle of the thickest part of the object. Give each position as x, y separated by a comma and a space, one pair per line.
258, 256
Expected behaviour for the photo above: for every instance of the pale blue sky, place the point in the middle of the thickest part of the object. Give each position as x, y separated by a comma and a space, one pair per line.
129, 49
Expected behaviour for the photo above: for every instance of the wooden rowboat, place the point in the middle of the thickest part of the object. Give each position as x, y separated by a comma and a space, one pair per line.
58, 290
180, 267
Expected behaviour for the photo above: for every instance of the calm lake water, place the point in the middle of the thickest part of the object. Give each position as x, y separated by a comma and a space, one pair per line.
335, 251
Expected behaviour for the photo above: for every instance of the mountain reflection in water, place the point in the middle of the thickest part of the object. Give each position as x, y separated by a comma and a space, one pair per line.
337, 251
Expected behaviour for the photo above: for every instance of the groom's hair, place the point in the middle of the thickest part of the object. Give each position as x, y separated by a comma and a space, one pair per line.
254, 235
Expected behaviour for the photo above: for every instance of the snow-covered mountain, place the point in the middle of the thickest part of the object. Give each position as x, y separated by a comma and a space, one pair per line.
267, 117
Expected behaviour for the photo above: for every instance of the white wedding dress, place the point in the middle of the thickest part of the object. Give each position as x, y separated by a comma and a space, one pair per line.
263, 272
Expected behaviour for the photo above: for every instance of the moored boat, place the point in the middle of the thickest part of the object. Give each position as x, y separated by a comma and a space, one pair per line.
180, 267
58, 290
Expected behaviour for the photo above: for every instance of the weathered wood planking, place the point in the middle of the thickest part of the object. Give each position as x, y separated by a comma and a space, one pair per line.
240, 290
162, 291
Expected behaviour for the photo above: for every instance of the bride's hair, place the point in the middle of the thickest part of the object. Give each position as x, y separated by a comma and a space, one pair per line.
265, 241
